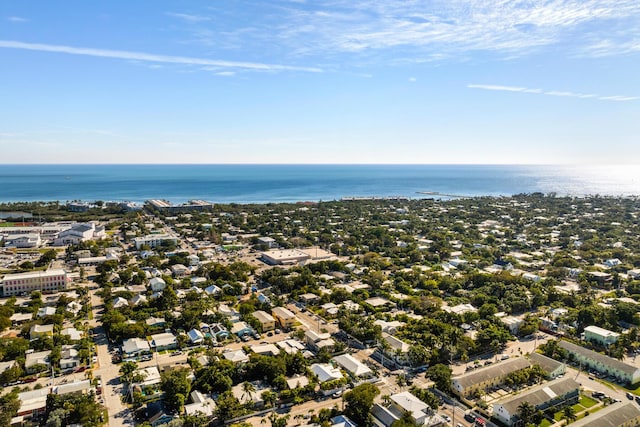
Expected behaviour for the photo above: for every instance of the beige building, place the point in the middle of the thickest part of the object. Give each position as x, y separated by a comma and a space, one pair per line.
284, 256
483, 378
267, 322
284, 317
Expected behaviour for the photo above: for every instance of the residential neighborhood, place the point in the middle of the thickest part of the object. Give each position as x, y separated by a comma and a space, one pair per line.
508, 311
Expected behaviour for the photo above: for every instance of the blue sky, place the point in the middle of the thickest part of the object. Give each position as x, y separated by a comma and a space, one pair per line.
336, 81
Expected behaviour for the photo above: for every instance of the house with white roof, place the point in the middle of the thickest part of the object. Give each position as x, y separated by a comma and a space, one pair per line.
41, 331
157, 284
353, 366
202, 404
212, 290
35, 359
397, 350
46, 311
69, 357
72, 333
401, 403
266, 349
120, 302
326, 372
137, 300
134, 347
164, 341
241, 329
600, 335
237, 356
317, 341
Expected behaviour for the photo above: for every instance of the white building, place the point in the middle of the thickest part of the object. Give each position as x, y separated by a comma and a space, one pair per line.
157, 284
600, 335
23, 241
326, 372
401, 403
164, 341
353, 366
134, 347
79, 233
154, 240
556, 394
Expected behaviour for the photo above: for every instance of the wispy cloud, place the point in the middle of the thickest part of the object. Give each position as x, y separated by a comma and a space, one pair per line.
430, 29
188, 17
17, 19
552, 92
149, 57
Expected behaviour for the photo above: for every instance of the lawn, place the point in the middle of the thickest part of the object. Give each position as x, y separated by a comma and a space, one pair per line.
587, 402
545, 423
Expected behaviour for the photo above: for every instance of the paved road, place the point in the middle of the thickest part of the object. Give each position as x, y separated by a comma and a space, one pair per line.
112, 389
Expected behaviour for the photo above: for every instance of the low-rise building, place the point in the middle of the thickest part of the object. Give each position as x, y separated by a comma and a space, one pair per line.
617, 415
284, 256
319, 340
552, 368
353, 366
598, 335
237, 356
401, 403
553, 395
601, 363
135, 347
40, 331
154, 240
25, 283
396, 349
202, 404
267, 322
266, 349
157, 284
195, 336
241, 329
481, 379
164, 341
35, 360
284, 317
33, 403
326, 372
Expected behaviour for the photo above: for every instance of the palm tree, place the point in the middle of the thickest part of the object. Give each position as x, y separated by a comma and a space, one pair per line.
525, 412
247, 390
386, 399
569, 413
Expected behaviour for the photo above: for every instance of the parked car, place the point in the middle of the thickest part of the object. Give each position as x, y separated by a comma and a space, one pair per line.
629, 396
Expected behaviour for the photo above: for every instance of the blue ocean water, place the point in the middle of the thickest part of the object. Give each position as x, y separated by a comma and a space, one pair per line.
290, 183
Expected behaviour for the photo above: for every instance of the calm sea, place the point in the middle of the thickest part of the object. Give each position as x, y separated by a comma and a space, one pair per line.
290, 183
